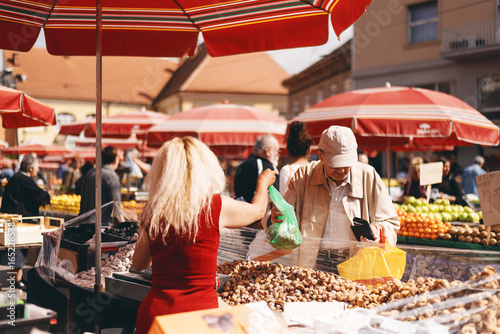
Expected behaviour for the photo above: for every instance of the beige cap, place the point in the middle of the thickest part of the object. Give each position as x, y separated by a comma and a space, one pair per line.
339, 147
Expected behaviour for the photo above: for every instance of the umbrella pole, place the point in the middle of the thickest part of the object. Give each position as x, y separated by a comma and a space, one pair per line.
98, 181
389, 165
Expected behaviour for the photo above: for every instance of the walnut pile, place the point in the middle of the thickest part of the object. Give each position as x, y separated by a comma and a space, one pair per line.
119, 262
466, 307
264, 281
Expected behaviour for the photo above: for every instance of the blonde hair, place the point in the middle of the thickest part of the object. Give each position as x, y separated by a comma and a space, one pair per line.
184, 176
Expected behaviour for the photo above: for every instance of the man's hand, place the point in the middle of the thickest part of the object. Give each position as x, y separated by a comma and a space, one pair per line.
275, 214
375, 232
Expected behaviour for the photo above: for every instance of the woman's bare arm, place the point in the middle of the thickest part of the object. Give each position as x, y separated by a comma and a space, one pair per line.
141, 259
236, 214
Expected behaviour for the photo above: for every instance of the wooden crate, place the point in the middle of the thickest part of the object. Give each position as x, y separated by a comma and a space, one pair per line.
26, 230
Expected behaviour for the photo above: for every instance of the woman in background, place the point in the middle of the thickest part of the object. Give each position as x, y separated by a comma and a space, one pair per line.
450, 189
180, 227
298, 146
412, 186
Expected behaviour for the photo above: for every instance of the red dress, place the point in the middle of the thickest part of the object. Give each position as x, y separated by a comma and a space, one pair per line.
183, 273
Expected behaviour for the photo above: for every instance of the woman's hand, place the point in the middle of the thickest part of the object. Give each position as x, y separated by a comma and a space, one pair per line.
266, 178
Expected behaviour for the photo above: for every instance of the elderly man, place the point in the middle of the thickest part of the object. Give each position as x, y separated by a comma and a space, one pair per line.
22, 196
328, 194
266, 152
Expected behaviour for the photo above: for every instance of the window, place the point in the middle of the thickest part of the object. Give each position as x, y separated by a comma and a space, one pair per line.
320, 96
333, 89
295, 107
444, 87
347, 85
307, 101
489, 90
423, 22
64, 118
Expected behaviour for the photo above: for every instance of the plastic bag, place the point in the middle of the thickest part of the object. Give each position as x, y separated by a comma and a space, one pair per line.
374, 265
284, 235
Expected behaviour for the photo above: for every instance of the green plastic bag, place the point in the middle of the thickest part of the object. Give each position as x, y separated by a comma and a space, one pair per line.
284, 235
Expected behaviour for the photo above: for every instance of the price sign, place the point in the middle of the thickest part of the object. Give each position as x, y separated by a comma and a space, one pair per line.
488, 187
431, 173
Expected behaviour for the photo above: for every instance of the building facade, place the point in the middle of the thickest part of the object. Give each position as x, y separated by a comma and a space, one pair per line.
448, 45
329, 76
252, 79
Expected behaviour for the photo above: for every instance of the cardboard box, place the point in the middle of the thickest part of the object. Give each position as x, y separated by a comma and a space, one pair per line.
227, 320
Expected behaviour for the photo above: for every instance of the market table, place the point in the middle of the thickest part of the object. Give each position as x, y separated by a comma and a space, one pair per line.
124, 291
75, 313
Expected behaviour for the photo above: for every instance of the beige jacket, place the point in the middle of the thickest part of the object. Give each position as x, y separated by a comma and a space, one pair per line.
368, 199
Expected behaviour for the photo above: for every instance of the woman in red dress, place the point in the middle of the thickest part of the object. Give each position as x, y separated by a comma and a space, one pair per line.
179, 230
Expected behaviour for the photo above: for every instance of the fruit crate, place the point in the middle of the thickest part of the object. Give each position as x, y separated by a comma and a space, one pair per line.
82, 255
18, 230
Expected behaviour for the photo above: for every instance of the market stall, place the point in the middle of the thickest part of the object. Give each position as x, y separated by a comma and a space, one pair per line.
125, 288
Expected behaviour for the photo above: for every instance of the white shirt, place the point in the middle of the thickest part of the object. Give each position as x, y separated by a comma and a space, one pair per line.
338, 226
286, 174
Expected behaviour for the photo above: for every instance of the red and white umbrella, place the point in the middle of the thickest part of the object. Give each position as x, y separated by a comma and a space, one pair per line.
404, 117
229, 129
130, 142
19, 110
39, 149
117, 126
5, 162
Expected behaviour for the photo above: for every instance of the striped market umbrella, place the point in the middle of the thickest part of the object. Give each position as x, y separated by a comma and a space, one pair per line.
39, 149
117, 126
404, 117
229, 129
160, 28
19, 110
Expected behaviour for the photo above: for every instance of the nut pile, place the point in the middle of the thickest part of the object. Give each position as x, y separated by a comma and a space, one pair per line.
471, 307
476, 235
439, 267
119, 262
467, 308
264, 281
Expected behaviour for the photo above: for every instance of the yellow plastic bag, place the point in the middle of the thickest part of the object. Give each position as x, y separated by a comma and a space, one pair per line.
374, 265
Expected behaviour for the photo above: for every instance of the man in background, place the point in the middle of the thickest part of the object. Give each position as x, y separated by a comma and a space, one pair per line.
110, 186
469, 174
266, 152
24, 197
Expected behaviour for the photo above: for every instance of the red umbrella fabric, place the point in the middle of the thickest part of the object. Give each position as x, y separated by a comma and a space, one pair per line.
117, 126
39, 149
19, 110
171, 28
130, 142
5, 162
75, 128
228, 128
407, 117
